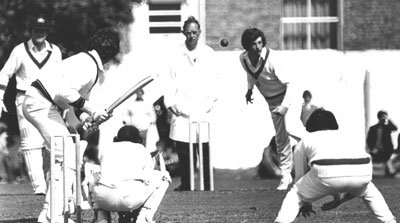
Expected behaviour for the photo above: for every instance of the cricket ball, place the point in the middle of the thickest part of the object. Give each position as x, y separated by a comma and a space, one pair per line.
224, 42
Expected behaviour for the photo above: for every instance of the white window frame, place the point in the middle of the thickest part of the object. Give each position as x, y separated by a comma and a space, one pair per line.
310, 20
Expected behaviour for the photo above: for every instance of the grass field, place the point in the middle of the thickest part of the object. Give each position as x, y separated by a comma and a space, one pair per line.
239, 197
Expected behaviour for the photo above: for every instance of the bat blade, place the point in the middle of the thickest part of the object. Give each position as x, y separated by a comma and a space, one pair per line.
133, 90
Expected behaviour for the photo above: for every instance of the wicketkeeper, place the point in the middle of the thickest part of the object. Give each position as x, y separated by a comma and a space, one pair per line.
325, 165
127, 182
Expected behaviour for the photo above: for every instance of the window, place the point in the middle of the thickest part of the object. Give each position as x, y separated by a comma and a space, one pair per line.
165, 17
311, 24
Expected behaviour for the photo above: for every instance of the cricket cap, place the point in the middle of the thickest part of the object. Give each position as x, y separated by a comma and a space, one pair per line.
40, 22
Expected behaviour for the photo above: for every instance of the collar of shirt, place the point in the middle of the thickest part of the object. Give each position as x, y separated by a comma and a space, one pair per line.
260, 59
33, 48
192, 55
98, 60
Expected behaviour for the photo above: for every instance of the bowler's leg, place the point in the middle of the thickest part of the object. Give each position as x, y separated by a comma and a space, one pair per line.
283, 149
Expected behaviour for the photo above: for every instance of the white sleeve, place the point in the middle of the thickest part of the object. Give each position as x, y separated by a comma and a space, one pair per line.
300, 160
11, 66
170, 87
57, 52
283, 71
250, 80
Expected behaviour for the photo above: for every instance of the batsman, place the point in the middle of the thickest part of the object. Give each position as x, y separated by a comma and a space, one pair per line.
65, 84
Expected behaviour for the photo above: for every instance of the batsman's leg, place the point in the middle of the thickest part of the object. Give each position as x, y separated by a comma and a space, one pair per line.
34, 166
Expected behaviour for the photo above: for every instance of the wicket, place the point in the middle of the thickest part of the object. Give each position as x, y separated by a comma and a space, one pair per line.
78, 192
200, 158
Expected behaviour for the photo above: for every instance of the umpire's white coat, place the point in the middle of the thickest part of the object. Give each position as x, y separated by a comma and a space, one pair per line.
191, 86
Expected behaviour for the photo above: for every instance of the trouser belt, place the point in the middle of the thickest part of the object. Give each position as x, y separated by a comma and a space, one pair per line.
327, 162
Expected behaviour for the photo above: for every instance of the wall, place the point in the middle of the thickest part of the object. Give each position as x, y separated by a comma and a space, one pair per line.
240, 131
228, 19
371, 24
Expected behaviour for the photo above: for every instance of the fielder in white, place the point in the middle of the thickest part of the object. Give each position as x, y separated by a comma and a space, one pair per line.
127, 182
69, 83
325, 165
26, 61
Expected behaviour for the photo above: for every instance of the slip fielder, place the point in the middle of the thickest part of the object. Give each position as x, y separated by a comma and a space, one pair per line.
325, 165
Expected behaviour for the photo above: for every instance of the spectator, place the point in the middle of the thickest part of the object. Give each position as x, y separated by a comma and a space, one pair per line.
379, 140
307, 108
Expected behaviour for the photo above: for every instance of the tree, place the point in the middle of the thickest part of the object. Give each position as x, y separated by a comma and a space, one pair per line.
74, 21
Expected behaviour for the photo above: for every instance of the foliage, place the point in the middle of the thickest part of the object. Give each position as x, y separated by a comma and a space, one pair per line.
74, 21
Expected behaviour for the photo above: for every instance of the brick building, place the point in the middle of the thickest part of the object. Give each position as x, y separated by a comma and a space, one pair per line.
291, 24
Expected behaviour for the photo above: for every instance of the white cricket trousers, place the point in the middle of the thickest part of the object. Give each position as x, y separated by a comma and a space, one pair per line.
312, 187
130, 195
31, 147
47, 118
281, 137
45, 214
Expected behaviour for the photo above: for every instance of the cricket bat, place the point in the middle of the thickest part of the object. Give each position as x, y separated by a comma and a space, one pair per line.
133, 90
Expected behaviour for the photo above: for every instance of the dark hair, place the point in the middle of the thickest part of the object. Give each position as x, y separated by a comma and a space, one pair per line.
320, 120
190, 19
128, 133
106, 43
307, 93
381, 113
250, 35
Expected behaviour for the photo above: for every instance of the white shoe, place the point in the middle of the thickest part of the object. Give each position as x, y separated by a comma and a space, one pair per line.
286, 180
42, 218
40, 191
144, 216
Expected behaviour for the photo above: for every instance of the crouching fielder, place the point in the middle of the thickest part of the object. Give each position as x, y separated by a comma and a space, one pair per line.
127, 182
325, 165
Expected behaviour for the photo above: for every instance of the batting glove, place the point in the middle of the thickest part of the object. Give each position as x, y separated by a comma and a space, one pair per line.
101, 116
